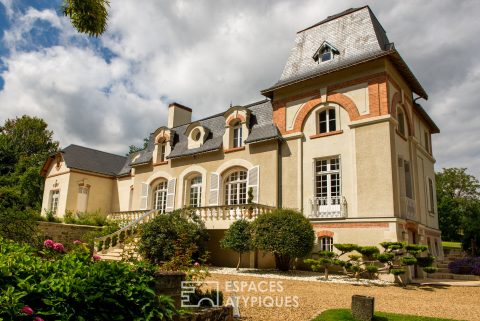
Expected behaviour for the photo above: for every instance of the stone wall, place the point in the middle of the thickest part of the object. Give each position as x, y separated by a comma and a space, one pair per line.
65, 233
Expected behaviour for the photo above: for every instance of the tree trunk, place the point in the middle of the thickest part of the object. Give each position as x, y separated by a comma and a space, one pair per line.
326, 272
239, 260
282, 262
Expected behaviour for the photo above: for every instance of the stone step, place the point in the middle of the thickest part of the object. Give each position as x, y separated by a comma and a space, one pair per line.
443, 270
452, 276
442, 265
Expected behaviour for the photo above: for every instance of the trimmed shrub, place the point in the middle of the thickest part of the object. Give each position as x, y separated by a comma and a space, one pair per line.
368, 251
324, 261
285, 233
172, 234
238, 238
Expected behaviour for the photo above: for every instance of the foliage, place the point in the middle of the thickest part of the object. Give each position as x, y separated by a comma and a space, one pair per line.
324, 261
456, 190
74, 285
250, 195
285, 233
408, 260
87, 16
238, 238
469, 265
451, 245
346, 315
133, 149
368, 251
345, 248
25, 143
86, 218
471, 229
89, 237
19, 226
172, 233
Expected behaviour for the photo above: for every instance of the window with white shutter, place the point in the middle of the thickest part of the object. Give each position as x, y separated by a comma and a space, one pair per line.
144, 196
171, 194
253, 182
214, 189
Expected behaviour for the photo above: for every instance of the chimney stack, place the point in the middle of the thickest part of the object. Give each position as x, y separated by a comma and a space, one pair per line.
178, 115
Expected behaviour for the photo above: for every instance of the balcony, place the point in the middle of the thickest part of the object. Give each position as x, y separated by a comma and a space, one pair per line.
408, 208
328, 208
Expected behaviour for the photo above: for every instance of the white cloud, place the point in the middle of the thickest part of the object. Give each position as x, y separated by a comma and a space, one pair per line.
207, 54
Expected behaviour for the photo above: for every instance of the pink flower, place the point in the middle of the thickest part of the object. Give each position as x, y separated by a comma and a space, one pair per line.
38, 319
48, 243
196, 264
77, 242
27, 310
96, 258
58, 247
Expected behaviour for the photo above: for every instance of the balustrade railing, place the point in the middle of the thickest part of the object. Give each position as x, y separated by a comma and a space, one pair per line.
124, 218
232, 212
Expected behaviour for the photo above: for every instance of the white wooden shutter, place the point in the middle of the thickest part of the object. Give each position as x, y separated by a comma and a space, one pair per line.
214, 189
171, 194
253, 181
144, 196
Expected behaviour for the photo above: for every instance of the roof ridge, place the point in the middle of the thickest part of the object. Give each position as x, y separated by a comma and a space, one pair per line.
335, 16
100, 151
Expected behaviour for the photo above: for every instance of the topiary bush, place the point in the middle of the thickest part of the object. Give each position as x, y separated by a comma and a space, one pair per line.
285, 233
53, 285
171, 234
325, 260
238, 238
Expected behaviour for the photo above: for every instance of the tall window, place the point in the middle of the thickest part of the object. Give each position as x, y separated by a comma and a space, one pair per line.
82, 198
327, 121
160, 197
427, 141
237, 135
401, 121
236, 188
327, 181
326, 244
408, 180
431, 199
54, 197
161, 152
196, 191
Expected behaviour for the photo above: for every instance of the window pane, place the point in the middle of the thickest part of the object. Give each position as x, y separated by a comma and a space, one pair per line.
408, 181
323, 122
332, 123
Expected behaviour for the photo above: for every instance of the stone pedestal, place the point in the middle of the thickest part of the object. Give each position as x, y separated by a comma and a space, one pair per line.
170, 283
362, 307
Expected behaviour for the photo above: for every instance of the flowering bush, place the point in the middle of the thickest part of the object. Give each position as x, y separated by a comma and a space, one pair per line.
469, 265
54, 285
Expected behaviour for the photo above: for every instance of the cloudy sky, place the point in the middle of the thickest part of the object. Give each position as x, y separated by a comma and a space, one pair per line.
110, 92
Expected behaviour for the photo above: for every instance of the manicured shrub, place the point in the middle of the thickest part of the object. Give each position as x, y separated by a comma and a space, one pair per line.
408, 260
238, 238
368, 251
393, 245
385, 257
285, 233
425, 261
324, 260
347, 247
172, 234
429, 269
53, 285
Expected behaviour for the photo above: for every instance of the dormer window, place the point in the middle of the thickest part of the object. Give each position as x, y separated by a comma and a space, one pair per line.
237, 135
325, 53
161, 151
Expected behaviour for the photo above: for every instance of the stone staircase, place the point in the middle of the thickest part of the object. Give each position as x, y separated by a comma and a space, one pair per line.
444, 272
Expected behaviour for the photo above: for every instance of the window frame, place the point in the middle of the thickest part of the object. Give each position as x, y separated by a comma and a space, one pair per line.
235, 186
54, 201
237, 135
408, 180
326, 243
328, 121
159, 198
328, 199
195, 191
430, 196
401, 127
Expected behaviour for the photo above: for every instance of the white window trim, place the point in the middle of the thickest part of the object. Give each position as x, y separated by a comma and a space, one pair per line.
158, 202
326, 110
237, 194
198, 187
329, 173
326, 243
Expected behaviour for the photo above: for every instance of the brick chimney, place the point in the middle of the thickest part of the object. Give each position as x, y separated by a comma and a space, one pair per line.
178, 115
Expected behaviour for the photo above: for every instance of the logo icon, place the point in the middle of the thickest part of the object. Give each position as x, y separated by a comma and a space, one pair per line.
190, 299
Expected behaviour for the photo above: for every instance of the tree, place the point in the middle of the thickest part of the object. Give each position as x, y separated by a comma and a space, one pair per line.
285, 233
25, 143
87, 16
171, 234
133, 149
456, 190
238, 239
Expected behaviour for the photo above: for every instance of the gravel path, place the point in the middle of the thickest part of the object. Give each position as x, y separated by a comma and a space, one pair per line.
459, 303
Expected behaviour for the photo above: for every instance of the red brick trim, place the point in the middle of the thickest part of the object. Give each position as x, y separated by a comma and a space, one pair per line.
236, 149
351, 225
337, 132
232, 118
411, 226
161, 163
378, 76
324, 233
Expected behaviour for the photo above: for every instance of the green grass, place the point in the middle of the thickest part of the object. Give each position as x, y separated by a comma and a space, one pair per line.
452, 245
346, 315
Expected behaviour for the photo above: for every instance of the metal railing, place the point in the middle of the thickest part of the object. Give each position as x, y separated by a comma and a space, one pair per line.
328, 207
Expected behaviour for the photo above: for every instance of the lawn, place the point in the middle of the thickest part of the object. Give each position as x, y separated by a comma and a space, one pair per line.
346, 315
452, 245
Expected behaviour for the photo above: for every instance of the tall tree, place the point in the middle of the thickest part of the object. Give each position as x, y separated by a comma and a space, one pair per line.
25, 143
87, 16
456, 190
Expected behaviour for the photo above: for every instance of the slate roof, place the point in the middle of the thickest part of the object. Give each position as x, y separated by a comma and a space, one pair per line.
93, 160
261, 129
358, 36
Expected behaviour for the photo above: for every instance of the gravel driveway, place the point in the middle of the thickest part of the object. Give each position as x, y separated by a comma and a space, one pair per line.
256, 298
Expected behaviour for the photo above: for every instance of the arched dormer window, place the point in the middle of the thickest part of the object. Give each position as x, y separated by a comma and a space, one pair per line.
161, 150
401, 121
236, 128
327, 121
163, 140
196, 135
